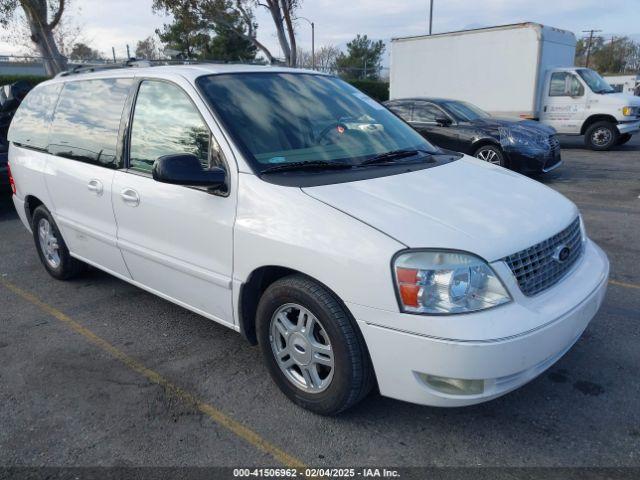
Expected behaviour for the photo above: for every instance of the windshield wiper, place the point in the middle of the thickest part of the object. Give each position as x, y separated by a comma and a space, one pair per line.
390, 157
312, 165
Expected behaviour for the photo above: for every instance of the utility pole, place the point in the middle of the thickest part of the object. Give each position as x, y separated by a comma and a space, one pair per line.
590, 32
313, 45
313, 40
128, 53
431, 18
113, 50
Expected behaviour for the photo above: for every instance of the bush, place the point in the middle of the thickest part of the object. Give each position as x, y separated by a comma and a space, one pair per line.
32, 79
374, 88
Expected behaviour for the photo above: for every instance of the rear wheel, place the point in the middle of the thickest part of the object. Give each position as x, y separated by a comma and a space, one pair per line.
312, 346
624, 138
52, 250
491, 154
601, 136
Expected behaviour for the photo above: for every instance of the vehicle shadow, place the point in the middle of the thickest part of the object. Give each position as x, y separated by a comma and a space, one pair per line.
7, 210
577, 143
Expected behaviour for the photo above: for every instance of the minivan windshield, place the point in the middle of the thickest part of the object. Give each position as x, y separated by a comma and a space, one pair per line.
596, 83
284, 119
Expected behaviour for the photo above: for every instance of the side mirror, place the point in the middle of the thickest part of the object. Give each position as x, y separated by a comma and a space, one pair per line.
443, 121
186, 169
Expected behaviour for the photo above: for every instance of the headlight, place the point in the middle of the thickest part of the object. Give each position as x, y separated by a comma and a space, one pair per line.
629, 111
433, 282
513, 136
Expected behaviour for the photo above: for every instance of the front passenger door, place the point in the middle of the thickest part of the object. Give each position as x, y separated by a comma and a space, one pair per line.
424, 120
176, 240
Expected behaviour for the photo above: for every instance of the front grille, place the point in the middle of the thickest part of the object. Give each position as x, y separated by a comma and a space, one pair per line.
554, 143
537, 268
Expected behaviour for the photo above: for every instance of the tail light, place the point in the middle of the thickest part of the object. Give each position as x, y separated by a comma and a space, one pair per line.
11, 180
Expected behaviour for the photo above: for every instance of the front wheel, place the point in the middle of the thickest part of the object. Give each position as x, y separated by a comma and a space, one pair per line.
312, 346
491, 154
601, 136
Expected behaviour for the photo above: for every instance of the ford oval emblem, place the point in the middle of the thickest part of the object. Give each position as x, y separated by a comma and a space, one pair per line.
561, 253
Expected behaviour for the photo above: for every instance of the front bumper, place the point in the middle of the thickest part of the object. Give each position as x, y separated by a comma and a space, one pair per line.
629, 127
533, 160
401, 359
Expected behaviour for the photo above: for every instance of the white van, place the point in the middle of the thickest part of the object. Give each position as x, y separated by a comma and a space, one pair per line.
524, 70
290, 207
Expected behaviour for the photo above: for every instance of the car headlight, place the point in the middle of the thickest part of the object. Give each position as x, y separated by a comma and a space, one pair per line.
441, 282
513, 136
629, 111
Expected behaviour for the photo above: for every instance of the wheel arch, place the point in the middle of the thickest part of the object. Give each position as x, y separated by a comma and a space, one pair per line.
31, 202
485, 141
257, 283
597, 118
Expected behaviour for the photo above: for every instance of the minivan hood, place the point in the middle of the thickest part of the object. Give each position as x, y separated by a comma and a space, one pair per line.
465, 205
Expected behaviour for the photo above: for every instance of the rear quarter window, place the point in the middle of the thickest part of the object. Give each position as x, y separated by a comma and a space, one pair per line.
30, 125
87, 120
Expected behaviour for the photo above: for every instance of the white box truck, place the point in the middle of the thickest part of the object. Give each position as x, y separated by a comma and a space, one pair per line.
523, 70
625, 83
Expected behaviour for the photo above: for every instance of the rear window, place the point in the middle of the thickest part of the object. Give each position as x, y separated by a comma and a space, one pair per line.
30, 125
87, 120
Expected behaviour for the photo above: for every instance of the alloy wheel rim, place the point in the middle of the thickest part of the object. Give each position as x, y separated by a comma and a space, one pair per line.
602, 136
48, 243
490, 156
301, 347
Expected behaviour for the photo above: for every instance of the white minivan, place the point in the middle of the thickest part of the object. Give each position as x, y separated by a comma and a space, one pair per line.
292, 208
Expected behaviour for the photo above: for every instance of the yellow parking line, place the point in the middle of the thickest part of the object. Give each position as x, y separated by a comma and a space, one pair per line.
209, 410
623, 284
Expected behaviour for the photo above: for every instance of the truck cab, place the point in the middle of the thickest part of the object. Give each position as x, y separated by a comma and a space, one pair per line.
578, 101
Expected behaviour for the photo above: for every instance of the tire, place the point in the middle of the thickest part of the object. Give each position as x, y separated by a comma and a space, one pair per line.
52, 249
491, 154
624, 138
601, 136
294, 301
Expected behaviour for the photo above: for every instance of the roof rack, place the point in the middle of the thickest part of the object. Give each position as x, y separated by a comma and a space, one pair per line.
133, 63
107, 66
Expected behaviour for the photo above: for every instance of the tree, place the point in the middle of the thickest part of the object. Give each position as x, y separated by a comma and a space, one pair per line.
619, 55
363, 59
326, 57
43, 16
237, 16
187, 34
82, 51
283, 12
148, 49
230, 42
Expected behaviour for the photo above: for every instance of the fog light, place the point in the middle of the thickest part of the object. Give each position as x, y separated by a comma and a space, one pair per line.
453, 386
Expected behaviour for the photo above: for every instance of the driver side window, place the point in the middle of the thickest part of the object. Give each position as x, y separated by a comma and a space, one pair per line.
166, 122
565, 84
426, 113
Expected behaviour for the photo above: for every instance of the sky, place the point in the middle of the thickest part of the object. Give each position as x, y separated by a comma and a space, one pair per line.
116, 23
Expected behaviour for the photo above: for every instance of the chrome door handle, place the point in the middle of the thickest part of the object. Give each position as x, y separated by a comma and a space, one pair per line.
130, 197
95, 186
